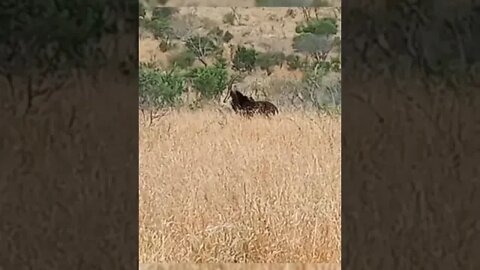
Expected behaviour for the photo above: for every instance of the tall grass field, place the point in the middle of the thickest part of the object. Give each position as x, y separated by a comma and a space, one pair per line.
216, 187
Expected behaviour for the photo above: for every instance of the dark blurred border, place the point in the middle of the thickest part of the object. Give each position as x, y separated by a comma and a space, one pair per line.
410, 130
69, 135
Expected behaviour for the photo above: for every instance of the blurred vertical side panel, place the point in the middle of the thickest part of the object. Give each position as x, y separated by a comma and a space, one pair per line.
69, 135
411, 99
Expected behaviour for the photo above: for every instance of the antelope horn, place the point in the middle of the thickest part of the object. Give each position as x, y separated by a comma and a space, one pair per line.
229, 87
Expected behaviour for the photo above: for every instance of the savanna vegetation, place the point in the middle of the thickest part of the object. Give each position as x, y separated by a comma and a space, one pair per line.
214, 186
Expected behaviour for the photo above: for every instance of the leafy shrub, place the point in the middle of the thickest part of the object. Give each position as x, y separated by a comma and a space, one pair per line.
244, 59
163, 12
323, 26
159, 89
336, 65
183, 59
268, 60
160, 28
210, 81
317, 45
294, 62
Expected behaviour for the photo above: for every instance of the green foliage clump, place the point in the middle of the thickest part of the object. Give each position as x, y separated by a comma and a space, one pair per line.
210, 81
323, 26
244, 59
267, 60
159, 13
311, 43
331, 65
294, 62
159, 89
159, 27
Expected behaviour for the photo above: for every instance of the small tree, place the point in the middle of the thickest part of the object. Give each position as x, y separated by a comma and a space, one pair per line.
159, 89
210, 81
202, 47
266, 61
161, 30
316, 37
319, 46
323, 26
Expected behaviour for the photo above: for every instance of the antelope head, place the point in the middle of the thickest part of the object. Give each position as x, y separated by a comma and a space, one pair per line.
229, 87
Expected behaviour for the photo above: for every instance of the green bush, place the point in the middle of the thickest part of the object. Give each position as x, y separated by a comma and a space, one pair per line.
160, 28
244, 59
159, 89
294, 62
210, 81
319, 46
163, 12
323, 26
267, 60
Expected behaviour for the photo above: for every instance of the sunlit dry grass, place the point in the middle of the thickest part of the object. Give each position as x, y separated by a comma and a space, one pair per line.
215, 187
229, 266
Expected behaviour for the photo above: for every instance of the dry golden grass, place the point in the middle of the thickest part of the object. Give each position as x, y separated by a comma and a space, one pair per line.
215, 187
229, 266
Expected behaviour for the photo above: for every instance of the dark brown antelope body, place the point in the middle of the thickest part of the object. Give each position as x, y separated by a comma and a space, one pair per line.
247, 106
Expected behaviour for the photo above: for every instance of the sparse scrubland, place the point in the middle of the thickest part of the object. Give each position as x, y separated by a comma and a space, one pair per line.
219, 188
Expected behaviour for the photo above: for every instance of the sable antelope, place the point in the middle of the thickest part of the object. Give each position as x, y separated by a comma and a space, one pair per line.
247, 106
